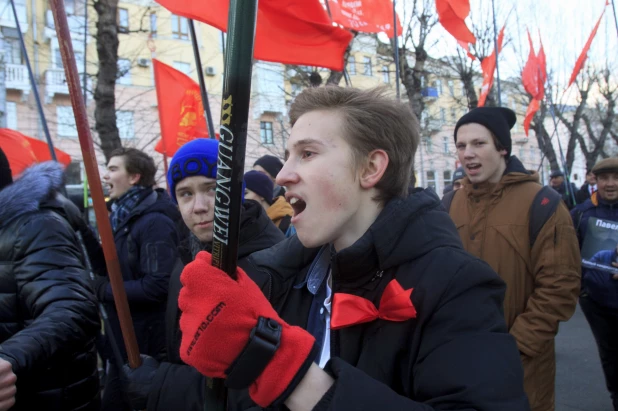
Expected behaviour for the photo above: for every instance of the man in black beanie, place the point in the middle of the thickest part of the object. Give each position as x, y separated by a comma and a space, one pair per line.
270, 165
6, 176
493, 215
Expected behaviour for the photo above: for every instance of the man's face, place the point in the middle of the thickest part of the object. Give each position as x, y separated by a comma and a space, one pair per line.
478, 154
556, 182
117, 178
457, 185
196, 202
591, 179
321, 181
262, 170
607, 186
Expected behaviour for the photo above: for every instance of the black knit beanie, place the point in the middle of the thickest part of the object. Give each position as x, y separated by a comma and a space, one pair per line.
6, 176
271, 164
498, 120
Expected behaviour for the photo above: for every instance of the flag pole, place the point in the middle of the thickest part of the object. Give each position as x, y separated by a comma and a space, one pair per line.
35, 90
396, 41
92, 171
493, 7
232, 144
153, 55
200, 78
567, 178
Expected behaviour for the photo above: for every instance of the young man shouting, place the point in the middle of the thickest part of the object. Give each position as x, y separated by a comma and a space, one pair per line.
376, 287
493, 214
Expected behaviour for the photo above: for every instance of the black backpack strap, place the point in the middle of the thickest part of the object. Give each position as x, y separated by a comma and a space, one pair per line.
284, 224
542, 208
447, 200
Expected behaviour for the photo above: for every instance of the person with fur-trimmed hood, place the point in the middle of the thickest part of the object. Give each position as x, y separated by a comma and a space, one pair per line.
48, 313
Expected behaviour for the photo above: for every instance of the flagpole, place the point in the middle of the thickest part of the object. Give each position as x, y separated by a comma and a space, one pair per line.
496, 52
92, 171
567, 178
397, 73
33, 85
200, 78
153, 55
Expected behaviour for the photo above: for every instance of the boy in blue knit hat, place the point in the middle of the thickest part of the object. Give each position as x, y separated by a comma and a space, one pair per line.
192, 173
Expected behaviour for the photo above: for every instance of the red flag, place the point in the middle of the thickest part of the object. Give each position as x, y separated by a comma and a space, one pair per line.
533, 107
22, 151
582, 57
488, 65
181, 113
288, 31
543, 69
452, 14
367, 16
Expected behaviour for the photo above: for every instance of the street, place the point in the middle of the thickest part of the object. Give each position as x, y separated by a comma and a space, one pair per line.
579, 379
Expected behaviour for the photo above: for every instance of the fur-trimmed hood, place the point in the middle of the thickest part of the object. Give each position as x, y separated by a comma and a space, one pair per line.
37, 184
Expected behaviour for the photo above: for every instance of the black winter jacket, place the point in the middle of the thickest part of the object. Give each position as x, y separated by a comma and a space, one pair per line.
147, 245
455, 355
178, 386
48, 314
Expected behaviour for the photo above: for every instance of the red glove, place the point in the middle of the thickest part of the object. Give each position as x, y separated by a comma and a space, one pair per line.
218, 316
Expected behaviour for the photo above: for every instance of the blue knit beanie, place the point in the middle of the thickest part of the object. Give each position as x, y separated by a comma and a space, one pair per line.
260, 184
196, 158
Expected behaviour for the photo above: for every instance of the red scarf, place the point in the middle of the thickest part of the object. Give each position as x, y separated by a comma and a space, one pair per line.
395, 305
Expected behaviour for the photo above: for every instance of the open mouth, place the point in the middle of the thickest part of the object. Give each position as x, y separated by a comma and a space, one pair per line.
473, 167
297, 204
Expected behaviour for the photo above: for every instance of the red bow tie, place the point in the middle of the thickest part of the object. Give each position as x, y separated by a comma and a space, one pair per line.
395, 305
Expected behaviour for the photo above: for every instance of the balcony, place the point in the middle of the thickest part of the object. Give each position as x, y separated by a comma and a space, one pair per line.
55, 83
429, 92
16, 76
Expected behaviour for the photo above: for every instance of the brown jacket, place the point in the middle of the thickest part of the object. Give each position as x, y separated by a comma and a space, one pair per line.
543, 282
279, 209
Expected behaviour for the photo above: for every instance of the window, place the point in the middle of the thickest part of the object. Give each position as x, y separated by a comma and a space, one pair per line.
12, 51
446, 176
351, 66
429, 145
57, 59
124, 72
422, 81
443, 115
123, 20
522, 154
454, 113
66, 122
266, 132
445, 144
180, 27
431, 180
69, 6
182, 67
124, 122
11, 115
531, 153
438, 86
451, 87
385, 75
73, 173
153, 24
79, 61
367, 66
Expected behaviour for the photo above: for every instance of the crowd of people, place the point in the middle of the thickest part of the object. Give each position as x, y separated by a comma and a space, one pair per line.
354, 290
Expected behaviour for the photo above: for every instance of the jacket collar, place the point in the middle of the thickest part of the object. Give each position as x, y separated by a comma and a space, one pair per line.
515, 173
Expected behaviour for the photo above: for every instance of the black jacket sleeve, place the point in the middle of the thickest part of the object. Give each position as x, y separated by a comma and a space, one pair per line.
466, 359
51, 288
177, 387
157, 240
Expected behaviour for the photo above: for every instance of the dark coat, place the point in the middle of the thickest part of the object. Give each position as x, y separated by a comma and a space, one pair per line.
599, 285
178, 386
48, 314
583, 194
147, 245
456, 354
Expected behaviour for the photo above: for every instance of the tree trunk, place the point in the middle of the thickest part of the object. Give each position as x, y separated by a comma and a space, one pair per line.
104, 94
412, 79
544, 139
